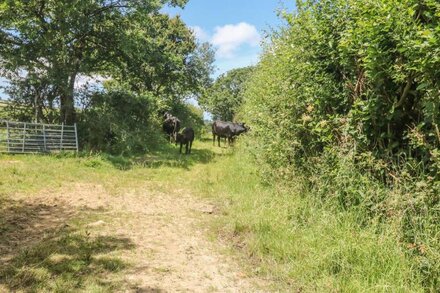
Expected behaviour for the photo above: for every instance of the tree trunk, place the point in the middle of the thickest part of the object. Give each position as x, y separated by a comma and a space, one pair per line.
68, 115
38, 107
36, 114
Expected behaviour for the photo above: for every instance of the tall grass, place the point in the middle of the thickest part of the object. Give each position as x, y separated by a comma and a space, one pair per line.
300, 241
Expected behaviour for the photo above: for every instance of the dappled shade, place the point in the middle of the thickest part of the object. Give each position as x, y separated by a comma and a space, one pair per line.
39, 249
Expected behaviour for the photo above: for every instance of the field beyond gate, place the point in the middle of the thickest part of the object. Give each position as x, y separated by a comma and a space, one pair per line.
22, 137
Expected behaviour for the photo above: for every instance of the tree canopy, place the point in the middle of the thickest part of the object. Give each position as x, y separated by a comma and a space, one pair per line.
45, 45
345, 71
225, 96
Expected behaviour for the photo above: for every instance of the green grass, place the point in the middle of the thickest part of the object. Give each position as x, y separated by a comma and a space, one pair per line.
279, 232
66, 263
68, 258
64, 258
299, 243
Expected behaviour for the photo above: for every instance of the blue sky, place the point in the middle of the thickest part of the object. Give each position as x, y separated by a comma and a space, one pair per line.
2, 94
234, 27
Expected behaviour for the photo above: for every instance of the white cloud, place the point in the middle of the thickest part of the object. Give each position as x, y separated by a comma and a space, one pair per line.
200, 33
230, 38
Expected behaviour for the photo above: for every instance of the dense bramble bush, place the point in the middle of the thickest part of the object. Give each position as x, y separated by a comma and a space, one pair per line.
120, 121
347, 97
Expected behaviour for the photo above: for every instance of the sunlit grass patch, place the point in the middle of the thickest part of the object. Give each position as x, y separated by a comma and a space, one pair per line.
301, 243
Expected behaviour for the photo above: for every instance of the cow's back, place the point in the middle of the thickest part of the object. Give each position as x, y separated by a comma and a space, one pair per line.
222, 129
188, 134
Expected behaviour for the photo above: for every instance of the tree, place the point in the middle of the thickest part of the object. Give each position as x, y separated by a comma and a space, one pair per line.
165, 60
62, 39
226, 94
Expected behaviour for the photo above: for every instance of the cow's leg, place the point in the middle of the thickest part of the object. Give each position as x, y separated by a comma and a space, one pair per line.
218, 140
181, 144
190, 146
186, 148
213, 139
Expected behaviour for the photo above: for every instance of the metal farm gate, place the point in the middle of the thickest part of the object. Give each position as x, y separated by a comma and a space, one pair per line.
25, 138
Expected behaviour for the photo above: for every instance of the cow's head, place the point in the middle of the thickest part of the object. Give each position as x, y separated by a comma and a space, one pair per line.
246, 127
241, 128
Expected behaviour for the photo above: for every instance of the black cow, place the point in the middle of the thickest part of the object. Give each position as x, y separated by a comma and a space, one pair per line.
185, 138
170, 125
227, 130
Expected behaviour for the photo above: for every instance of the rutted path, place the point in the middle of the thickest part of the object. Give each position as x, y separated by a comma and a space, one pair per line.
169, 250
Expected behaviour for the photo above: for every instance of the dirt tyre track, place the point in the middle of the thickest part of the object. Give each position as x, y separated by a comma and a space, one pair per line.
169, 250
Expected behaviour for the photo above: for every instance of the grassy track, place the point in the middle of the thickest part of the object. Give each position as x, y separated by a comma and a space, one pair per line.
56, 240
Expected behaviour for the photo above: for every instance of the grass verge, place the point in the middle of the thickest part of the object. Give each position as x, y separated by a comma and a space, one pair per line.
298, 242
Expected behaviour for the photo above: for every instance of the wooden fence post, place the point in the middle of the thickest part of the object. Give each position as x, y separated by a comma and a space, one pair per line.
7, 135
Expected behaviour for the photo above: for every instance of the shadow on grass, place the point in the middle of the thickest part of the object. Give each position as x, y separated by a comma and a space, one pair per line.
176, 160
40, 252
167, 156
206, 139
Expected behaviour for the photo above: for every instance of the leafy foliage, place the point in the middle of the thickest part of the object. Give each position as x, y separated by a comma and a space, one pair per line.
226, 95
120, 121
347, 97
189, 116
152, 60
65, 38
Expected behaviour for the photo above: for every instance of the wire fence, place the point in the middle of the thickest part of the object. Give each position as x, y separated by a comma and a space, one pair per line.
25, 138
